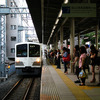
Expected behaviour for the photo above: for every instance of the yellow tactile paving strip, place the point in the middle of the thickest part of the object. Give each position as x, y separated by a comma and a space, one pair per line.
87, 87
77, 92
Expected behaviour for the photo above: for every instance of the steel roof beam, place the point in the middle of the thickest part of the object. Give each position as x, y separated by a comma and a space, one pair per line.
15, 10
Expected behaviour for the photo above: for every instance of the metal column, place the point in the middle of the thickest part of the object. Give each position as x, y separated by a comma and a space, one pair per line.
61, 38
96, 34
2, 45
72, 33
56, 41
79, 39
67, 43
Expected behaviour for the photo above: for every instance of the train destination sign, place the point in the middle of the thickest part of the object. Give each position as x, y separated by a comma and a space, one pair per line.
79, 10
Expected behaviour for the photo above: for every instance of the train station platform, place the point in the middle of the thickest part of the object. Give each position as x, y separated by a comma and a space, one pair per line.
55, 85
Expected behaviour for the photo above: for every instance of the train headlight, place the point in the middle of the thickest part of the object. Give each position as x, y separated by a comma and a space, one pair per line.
38, 60
17, 60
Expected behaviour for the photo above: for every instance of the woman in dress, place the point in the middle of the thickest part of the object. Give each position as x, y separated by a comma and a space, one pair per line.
82, 65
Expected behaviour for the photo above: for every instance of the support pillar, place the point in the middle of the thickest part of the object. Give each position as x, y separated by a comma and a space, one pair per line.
72, 33
79, 39
61, 38
56, 41
96, 34
66, 43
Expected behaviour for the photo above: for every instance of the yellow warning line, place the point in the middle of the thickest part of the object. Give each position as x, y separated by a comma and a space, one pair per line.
77, 92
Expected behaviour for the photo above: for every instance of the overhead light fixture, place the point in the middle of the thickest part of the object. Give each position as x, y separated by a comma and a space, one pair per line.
60, 13
54, 27
57, 21
50, 35
52, 31
66, 1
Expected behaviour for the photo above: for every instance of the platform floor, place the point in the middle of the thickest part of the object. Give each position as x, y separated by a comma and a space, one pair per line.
55, 85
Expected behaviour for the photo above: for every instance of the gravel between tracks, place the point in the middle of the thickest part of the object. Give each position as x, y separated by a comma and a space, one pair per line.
7, 85
10, 82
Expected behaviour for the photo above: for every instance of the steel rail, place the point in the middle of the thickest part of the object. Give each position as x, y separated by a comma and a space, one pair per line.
11, 90
28, 89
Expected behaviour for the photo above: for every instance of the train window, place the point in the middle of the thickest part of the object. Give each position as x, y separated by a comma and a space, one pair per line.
34, 50
22, 50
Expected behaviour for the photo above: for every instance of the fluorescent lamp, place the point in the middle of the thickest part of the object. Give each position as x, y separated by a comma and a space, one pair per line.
50, 35
60, 13
52, 31
66, 1
57, 21
54, 27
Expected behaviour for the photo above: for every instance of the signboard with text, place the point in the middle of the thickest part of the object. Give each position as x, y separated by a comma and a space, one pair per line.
79, 10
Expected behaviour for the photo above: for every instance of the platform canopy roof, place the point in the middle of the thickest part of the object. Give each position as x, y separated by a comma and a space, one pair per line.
45, 12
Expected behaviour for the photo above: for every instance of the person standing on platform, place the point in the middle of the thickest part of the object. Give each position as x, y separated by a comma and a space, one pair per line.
98, 64
82, 65
58, 59
88, 50
76, 62
65, 54
55, 57
99, 76
93, 57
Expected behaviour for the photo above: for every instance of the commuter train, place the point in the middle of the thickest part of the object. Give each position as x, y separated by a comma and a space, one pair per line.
28, 58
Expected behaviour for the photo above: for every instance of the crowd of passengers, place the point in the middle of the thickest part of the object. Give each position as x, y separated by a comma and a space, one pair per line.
82, 57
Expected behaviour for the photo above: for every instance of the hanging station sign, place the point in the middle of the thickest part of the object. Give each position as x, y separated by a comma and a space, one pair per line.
79, 10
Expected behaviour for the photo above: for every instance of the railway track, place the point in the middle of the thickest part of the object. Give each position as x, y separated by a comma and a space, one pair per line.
24, 89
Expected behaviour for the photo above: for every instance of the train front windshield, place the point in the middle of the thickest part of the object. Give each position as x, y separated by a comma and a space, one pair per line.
21, 50
34, 50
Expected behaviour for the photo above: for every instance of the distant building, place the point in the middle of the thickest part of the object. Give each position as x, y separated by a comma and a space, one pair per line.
12, 23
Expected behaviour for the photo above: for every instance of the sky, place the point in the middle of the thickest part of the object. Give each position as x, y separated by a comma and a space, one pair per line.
2, 2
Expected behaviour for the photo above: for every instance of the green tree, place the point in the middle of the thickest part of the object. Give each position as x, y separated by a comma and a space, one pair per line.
91, 37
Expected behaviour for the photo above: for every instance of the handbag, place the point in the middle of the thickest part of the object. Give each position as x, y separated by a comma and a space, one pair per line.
66, 59
82, 74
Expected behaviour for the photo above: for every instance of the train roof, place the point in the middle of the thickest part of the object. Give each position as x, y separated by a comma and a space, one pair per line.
28, 43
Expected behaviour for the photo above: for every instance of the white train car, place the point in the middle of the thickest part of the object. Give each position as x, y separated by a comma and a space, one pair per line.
28, 58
